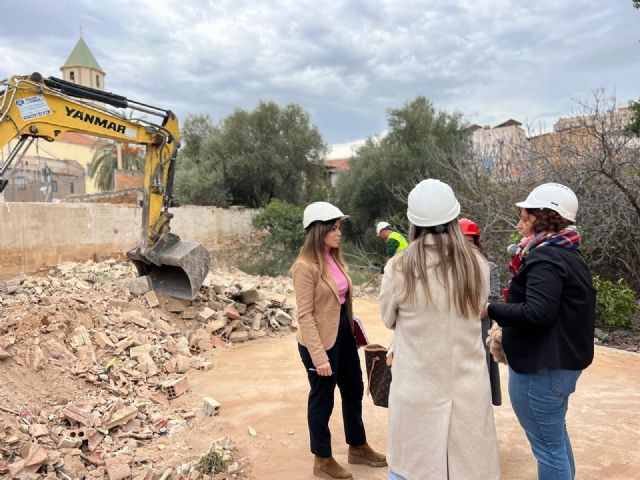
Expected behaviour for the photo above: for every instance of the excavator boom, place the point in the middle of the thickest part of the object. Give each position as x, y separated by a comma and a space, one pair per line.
35, 107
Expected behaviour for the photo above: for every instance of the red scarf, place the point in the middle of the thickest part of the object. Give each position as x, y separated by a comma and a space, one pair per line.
566, 238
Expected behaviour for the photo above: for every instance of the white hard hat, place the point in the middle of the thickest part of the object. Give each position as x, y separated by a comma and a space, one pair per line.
553, 196
321, 211
432, 203
381, 226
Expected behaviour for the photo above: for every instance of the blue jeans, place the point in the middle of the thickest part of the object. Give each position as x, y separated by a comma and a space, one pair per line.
394, 476
540, 401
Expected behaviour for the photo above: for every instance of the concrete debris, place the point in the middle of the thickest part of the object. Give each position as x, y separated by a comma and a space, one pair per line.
152, 299
175, 387
283, 318
139, 285
112, 356
118, 468
239, 336
232, 313
249, 296
211, 406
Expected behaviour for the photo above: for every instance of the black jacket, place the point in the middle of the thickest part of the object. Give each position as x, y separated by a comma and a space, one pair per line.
548, 320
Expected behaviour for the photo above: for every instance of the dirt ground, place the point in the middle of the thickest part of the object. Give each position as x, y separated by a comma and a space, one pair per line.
263, 385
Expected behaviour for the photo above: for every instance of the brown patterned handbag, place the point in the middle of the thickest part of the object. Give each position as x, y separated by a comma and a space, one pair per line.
378, 374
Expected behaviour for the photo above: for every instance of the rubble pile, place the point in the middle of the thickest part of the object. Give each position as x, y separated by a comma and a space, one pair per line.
107, 356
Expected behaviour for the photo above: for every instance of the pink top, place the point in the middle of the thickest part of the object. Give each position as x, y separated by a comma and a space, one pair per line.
338, 276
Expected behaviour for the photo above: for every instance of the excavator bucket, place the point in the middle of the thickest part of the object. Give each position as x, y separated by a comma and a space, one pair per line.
175, 267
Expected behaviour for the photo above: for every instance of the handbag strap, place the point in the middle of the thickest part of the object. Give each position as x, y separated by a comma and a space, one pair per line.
373, 364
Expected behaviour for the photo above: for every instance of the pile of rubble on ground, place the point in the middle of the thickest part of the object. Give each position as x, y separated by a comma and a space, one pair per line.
127, 349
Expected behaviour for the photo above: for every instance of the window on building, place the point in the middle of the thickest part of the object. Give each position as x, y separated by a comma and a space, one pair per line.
97, 81
71, 188
21, 183
54, 186
72, 76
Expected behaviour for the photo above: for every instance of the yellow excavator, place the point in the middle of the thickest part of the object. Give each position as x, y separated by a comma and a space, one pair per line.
34, 107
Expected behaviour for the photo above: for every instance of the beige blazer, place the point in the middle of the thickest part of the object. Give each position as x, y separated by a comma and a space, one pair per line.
318, 307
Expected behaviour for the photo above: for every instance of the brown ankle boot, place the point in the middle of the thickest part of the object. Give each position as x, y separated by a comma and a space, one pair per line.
329, 469
366, 455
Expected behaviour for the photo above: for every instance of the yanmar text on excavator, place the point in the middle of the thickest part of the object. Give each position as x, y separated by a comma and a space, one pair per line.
34, 107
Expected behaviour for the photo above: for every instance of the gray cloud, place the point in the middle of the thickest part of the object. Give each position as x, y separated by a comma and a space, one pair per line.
346, 62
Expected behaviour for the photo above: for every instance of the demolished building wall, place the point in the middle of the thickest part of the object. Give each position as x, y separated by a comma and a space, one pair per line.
37, 235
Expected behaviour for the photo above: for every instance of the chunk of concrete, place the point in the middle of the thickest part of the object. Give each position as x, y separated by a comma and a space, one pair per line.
136, 317
283, 318
206, 314
215, 325
210, 406
175, 387
251, 295
152, 299
239, 336
139, 285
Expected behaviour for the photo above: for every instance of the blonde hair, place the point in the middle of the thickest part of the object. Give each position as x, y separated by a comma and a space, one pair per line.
313, 247
457, 266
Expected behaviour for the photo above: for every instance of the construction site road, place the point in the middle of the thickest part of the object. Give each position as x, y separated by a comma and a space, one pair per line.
263, 388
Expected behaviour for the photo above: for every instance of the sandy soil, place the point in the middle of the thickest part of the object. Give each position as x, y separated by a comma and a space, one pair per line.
262, 384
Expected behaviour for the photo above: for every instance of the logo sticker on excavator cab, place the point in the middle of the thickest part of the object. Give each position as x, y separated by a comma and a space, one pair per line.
93, 119
33, 107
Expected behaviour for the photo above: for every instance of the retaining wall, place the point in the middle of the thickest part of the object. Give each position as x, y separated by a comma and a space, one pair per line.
37, 235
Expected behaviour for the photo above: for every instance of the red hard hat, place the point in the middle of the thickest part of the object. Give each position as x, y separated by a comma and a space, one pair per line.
468, 227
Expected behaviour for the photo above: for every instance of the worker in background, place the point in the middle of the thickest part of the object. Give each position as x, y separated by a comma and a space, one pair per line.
395, 242
472, 233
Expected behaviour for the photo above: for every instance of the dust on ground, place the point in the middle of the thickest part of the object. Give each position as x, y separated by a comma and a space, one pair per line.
259, 382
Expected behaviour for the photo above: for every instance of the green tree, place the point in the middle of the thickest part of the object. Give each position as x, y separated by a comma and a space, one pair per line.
199, 179
251, 158
634, 126
283, 223
420, 143
105, 161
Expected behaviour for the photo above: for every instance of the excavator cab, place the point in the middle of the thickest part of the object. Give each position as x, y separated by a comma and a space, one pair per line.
55, 106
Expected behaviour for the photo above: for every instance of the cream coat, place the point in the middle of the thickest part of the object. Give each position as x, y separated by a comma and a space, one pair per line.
440, 399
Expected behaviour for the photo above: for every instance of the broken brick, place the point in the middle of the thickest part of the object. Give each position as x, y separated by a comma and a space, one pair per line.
152, 299
231, 312
120, 417
176, 387
103, 340
118, 468
210, 406
136, 317
206, 314
215, 325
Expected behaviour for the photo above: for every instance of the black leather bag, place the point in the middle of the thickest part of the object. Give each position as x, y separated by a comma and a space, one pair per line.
378, 374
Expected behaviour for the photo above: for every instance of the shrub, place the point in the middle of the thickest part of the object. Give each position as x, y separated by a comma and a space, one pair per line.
283, 222
616, 302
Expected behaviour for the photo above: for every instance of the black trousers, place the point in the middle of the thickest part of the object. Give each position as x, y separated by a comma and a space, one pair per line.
345, 364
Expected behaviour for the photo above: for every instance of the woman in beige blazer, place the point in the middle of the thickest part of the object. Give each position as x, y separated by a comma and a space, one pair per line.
440, 415
326, 342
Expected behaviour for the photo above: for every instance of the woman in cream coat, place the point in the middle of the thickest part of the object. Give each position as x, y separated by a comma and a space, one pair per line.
440, 415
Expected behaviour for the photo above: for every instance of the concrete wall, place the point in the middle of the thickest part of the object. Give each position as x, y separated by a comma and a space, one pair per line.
37, 235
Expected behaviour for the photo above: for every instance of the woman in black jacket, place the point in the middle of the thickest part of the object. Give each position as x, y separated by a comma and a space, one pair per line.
547, 324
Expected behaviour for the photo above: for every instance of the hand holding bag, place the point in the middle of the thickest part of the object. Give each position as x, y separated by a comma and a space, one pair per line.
378, 374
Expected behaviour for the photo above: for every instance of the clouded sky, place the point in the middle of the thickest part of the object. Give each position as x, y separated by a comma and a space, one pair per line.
345, 62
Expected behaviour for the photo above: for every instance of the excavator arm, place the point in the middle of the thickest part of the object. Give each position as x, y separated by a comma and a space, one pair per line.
35, 107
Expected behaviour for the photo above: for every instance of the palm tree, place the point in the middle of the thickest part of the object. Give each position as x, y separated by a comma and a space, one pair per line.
105, 162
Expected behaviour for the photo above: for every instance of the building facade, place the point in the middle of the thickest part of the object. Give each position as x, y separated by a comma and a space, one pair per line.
67, 159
